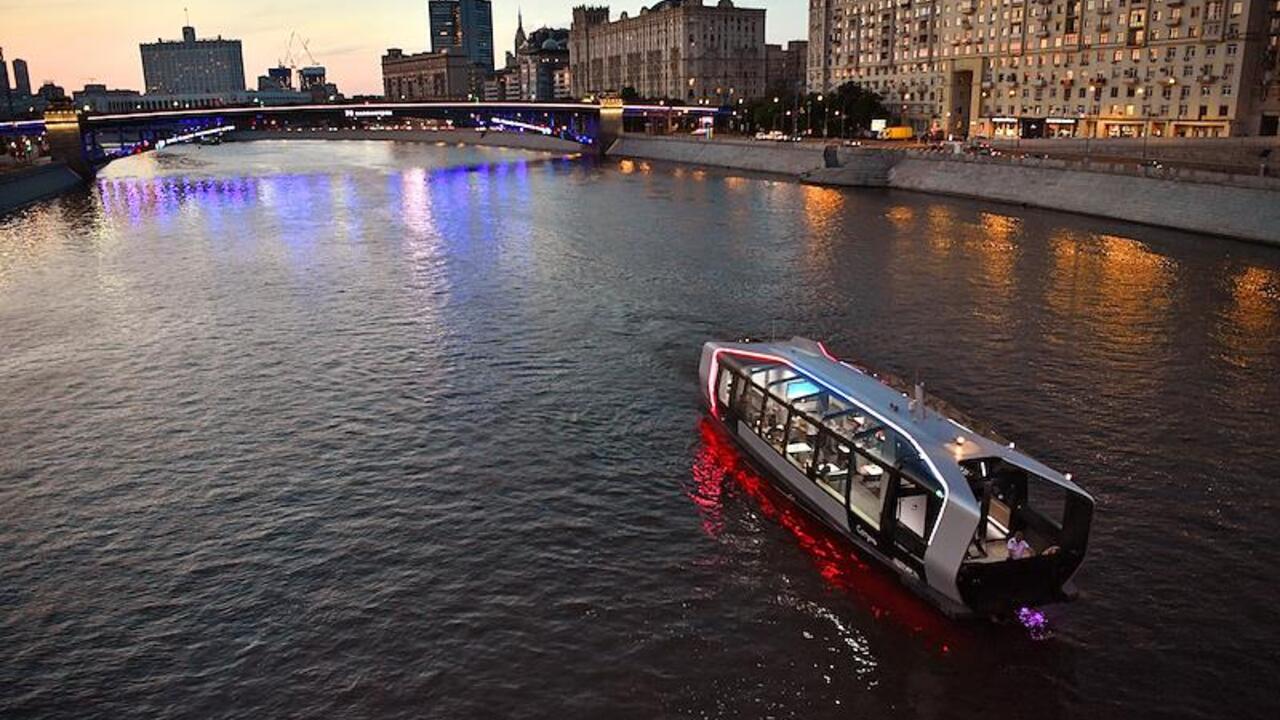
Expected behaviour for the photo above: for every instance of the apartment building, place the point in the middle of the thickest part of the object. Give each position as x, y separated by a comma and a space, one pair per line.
1038, 68
679, 49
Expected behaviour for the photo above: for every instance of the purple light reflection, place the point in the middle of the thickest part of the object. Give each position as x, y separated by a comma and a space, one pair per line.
1036, 623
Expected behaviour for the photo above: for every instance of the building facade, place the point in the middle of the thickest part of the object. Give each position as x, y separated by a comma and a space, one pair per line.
1270, 124
97, 98
1037, 68
786, 68
428, 76
191, 66
463, 27
544, 53
277, 78
502, 86
678, 49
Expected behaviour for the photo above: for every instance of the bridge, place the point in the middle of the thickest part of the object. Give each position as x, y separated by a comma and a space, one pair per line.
87, 142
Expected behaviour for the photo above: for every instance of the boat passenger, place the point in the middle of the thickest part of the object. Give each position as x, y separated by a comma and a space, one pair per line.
1019, 548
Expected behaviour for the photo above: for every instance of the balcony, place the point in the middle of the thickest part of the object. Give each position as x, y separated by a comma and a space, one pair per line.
1043, 32
1174, 3
1039, 82
968, 7
1205, 79
1104, 10
1130, 79
1173, 21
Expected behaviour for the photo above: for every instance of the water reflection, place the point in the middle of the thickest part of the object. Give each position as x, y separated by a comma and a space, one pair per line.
901, 216
1249, 323
718, 465
994, 243
1116, 285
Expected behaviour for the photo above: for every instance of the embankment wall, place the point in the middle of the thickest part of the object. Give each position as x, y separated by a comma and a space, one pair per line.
20, 188
1236, 206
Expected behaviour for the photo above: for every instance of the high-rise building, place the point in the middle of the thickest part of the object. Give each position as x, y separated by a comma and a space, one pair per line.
678, 49
1035, 68
5, 88
191, 66
463, 27
21, 77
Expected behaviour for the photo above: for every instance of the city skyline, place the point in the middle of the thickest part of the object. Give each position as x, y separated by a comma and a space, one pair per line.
47, 37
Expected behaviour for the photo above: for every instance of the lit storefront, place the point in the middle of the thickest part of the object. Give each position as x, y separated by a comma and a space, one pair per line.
1005, 127
1060, 127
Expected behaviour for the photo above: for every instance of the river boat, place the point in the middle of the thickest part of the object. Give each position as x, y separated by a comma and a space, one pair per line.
966, 520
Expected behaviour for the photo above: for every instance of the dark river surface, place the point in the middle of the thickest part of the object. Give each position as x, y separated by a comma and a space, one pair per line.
386, 430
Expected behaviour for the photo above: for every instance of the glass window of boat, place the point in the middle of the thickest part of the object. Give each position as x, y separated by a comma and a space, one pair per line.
917, 507
889, 447
773, 426
725, 385
867, 485
831, 464
802, 436
750, 405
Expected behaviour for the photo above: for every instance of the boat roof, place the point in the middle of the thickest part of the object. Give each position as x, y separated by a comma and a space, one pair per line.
935, 434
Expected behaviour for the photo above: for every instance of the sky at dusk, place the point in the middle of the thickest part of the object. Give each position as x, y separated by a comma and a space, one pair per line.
74, 42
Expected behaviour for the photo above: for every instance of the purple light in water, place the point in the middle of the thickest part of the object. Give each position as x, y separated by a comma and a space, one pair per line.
1035, 622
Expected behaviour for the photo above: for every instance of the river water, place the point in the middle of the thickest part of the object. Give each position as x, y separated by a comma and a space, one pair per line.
394, 430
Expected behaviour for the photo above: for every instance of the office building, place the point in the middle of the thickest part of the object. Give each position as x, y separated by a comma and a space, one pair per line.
463, 27
21, 77
1035, 68
5, 87
429, 76
679, 49
191, 66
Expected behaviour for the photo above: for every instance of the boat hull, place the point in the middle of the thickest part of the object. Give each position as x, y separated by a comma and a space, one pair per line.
823, 507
